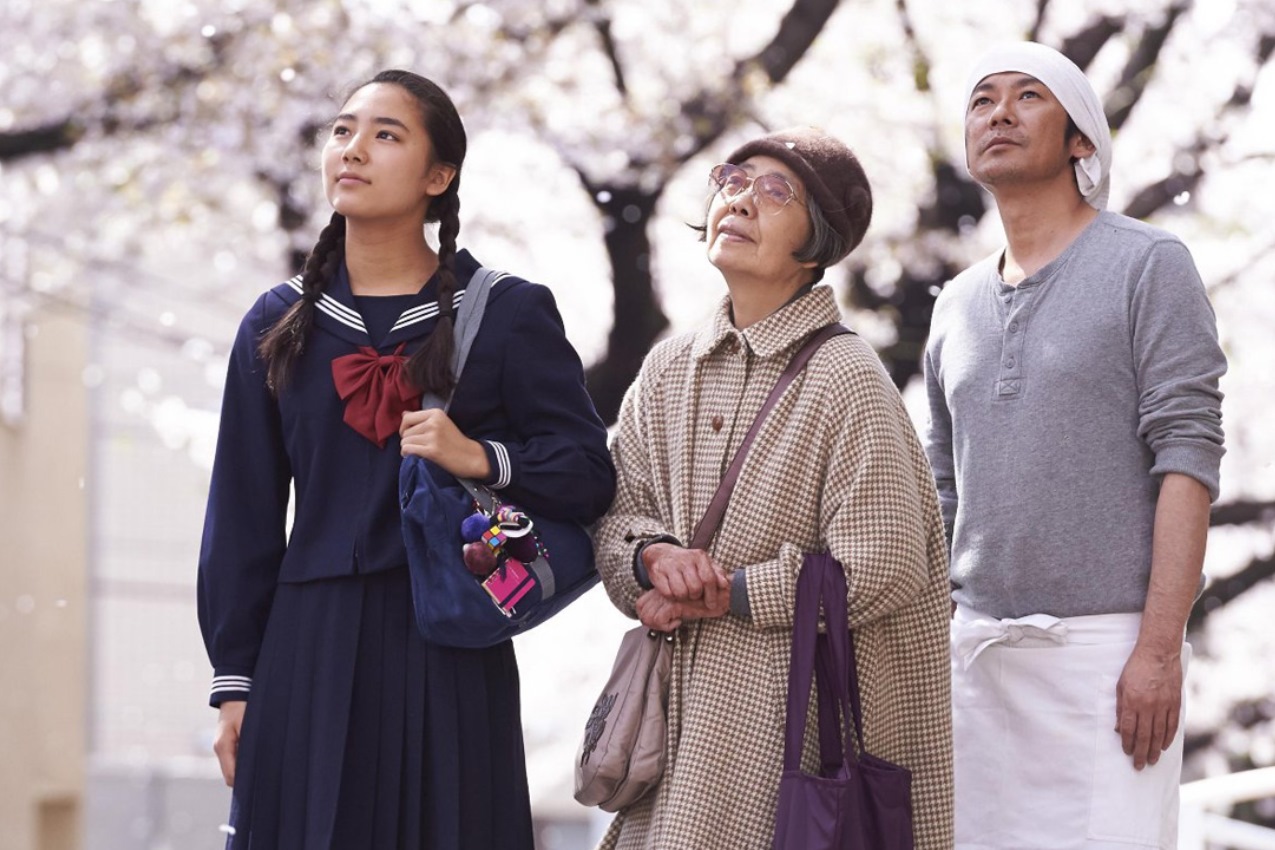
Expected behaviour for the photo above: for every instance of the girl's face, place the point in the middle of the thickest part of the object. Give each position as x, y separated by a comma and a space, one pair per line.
378, 161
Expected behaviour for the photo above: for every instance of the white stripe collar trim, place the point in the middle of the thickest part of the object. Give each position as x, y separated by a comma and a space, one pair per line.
333, 308
351, 318
422, 312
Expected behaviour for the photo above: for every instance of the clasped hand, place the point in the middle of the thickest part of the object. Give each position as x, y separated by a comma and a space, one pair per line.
687, 585
433, 435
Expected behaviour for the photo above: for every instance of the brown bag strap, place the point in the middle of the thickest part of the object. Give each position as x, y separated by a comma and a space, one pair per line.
717, 507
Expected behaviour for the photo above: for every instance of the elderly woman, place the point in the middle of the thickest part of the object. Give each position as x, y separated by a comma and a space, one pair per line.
836, 467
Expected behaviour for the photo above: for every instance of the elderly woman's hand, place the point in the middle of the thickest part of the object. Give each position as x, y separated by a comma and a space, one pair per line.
686, 575
662, 614
657, 612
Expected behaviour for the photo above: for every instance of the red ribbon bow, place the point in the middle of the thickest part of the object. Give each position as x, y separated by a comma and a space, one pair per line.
376, 391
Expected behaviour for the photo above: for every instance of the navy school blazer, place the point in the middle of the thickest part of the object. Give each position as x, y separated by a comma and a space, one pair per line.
522, 394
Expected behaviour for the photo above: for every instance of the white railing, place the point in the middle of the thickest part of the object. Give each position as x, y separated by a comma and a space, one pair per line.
1201, 827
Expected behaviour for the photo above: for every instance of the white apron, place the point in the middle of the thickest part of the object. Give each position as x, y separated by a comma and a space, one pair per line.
1039, 765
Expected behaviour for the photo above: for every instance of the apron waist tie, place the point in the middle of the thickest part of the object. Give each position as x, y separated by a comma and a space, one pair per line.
973, 636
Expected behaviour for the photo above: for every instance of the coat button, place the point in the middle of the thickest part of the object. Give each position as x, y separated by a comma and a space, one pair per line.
718, 422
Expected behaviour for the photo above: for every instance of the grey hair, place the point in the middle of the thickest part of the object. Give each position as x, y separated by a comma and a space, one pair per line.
825, 245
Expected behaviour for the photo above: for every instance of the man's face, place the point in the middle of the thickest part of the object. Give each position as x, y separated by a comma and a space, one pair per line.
1016, 132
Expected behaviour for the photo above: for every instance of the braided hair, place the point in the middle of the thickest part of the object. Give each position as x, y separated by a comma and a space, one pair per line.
430, 367
283, 343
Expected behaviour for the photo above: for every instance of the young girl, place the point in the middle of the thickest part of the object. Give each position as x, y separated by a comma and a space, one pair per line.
339, 726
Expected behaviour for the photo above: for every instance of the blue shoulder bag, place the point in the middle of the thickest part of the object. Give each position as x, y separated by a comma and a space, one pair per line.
538, 566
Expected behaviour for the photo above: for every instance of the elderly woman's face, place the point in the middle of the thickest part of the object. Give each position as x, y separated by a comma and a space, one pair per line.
758, 239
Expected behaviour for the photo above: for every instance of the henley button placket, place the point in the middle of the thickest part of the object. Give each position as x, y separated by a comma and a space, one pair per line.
1009, 383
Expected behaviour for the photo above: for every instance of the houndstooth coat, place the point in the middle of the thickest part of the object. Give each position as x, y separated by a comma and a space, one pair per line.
837, 467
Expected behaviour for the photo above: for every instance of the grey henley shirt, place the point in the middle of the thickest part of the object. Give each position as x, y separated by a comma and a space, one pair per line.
1055, 408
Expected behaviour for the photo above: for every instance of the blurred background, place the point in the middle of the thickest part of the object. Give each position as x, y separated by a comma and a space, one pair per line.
158, 170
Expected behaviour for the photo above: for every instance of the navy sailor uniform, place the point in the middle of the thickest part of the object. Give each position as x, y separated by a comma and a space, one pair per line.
357, 733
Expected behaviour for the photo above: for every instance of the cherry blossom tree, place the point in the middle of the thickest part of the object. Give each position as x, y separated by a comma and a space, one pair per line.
158, 163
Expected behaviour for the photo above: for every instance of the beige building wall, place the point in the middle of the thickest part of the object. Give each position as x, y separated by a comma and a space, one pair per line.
43, 587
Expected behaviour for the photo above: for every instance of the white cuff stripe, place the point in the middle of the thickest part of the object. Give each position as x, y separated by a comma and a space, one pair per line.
503, 466
228, 684
508, 468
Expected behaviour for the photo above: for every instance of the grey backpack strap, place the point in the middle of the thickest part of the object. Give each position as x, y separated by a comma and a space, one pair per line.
469, 318
470, 315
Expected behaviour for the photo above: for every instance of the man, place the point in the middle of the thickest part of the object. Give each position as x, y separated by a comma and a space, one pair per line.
1075, 435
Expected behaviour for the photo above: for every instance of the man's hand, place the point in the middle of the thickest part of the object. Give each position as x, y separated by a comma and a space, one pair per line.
226, 742
431, 434
1149, 693
1149, 703
686, 575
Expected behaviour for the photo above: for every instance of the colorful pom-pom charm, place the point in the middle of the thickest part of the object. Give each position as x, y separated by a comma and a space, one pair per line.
473, 526
522, 548
479, 559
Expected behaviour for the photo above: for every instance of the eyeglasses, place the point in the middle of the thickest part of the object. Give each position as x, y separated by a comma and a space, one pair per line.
771, 191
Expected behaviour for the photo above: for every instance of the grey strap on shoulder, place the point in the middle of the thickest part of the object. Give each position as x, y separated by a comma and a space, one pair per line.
469, 318
717, 507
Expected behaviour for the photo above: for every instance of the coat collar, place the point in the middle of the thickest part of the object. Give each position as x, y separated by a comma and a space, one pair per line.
338, 315
774, 334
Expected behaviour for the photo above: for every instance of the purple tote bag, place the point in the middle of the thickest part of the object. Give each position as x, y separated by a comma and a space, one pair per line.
857, 801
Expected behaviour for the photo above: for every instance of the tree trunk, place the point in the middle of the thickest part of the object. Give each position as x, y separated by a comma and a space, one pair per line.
639, 320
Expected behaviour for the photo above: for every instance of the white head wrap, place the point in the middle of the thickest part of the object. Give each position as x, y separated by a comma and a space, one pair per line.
1069, 84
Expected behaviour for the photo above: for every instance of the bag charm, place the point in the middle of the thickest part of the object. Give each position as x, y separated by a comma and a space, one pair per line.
498, 547
490, 540
479, 559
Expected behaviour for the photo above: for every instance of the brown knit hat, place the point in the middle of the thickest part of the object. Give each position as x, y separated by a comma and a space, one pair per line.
831, 172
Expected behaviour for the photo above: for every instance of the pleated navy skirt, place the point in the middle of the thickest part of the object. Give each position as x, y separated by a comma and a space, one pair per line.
360, 736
